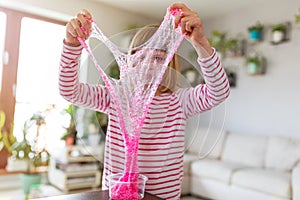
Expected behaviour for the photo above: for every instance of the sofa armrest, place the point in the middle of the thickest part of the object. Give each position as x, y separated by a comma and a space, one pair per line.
296, 181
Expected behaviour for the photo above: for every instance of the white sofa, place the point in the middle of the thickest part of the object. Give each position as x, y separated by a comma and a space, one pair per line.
244, 167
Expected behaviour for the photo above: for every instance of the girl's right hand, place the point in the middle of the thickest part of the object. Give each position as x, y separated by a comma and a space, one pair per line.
73, 28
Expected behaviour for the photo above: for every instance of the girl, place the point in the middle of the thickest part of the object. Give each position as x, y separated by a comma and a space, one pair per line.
160, 156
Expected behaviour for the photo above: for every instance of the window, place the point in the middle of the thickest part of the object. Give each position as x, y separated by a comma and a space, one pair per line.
37, 76
30, 76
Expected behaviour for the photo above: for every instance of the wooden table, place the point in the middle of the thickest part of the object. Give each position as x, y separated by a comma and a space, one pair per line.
96, 195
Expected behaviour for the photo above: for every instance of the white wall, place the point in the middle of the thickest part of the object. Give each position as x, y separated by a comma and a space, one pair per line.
112, 20
270, 103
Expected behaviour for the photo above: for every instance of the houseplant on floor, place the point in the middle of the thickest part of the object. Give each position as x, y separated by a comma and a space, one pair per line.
26, 155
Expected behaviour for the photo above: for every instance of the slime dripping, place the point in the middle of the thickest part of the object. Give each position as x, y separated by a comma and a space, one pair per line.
132, 93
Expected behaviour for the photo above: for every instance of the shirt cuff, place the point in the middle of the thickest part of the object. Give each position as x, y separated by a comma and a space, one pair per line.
208, 60
72, 48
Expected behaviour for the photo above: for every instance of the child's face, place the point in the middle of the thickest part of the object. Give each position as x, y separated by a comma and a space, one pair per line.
147, 64
151, 57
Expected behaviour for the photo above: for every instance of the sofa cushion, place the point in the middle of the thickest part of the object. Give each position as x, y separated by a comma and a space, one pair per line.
215, 169
187, 160
194, 143
245, 149
282, 153
268, 181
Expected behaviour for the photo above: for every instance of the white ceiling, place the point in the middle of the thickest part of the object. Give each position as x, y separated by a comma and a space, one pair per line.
157, 8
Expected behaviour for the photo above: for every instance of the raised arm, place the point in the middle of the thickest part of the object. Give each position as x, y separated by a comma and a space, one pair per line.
216, 88
91, 96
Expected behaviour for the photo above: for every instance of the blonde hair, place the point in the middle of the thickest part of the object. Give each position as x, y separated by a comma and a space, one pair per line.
169, 82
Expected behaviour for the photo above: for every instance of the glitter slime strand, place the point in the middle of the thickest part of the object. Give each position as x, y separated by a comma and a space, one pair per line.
126, 187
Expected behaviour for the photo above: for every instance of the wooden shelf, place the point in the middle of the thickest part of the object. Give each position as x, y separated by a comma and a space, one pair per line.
64, 174
43, 169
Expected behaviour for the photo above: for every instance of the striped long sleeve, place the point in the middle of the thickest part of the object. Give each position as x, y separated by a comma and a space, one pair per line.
91, 96
206, 96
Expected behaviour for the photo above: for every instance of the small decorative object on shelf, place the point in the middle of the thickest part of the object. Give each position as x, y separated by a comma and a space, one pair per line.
256, 32
255, 65
279, 33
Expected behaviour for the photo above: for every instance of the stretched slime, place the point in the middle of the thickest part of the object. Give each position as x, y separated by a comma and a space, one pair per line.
140, 75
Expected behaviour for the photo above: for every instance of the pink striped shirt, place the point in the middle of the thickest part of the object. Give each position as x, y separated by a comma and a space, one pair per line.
161, 144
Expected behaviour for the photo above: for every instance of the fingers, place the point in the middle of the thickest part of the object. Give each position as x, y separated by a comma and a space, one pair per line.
80, 26
179, 6
185, 18
190, 21
85, 21
87, 14
182, 8
177, 20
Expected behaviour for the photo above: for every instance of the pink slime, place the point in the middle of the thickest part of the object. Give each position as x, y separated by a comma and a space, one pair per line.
126, 188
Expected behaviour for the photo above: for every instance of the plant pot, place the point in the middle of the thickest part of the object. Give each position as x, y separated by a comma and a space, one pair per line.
126, 190
255, 35
253, 68
69, 141
278, 36
27, 180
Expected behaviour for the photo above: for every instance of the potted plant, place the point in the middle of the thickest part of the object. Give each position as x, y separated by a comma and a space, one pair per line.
279, 33
231, 46
217, 40
70, 131
25, 155
254, 65
255, 32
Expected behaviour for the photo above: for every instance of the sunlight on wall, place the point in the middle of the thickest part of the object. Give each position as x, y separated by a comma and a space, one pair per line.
37, 79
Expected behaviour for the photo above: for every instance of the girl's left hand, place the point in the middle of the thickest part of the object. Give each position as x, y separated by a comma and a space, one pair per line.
191, 26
